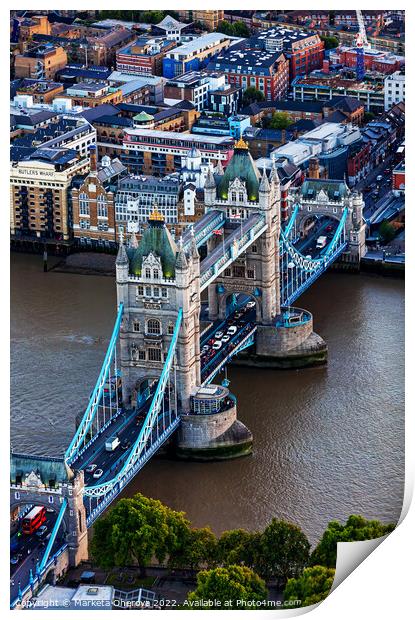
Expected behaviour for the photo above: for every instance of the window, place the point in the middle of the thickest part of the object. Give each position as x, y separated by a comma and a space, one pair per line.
141, 355
239, 271
50, 499
83, 204
140, 290
136, 326
148, 272
17, 494
170, 329
154, 327
228, 272
164, 292
148, 291
154, 355
254, 248
250, 274
156, 274
156, 291
102, 206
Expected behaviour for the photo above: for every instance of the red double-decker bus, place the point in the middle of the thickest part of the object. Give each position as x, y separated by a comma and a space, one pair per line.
34, 519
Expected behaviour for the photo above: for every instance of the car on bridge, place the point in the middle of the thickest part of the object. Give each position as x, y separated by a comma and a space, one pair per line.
42, 531
250, 304
217, 345
98, 473
218, 335
15, 559
91, 468
226, 338
125, 445
232, 330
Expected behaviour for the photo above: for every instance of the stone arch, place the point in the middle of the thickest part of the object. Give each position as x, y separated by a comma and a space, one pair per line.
39, 501
224, 300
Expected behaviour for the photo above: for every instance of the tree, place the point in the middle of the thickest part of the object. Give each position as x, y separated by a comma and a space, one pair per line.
238, 547
225, 586
251, 94
225, 27
355, 528
134, 530
280, 120
368, 116
283, 551
199, 550
311, 587
386, 232
240, 29
330, 42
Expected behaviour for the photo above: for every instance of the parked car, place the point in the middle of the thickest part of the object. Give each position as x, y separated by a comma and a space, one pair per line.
98, 473
91, 468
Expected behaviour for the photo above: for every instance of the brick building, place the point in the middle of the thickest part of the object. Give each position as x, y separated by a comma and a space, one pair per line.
41, 91
93, 203
144, 56
247, 68
40, 197
92, 94
41, 63
304, 50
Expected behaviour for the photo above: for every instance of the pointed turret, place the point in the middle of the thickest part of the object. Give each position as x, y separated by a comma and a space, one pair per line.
210, 181
193, 247
133, 241
274, 174
122, 258
264, 184
219, 168
181, 260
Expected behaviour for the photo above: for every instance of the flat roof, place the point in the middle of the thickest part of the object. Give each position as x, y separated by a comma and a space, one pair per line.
206, 40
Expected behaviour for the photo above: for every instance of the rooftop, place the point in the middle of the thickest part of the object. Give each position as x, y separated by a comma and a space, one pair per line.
252, 59
192, 47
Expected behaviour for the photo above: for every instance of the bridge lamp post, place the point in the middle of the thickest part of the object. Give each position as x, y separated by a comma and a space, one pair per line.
290, 266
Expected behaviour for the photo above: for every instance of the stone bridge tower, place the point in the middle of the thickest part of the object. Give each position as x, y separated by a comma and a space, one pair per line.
46, 481
154, 279
242, 191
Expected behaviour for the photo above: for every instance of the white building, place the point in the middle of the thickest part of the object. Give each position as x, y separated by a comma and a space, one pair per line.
394, 89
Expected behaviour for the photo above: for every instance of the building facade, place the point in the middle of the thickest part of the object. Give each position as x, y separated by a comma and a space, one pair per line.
40, 196
394, 89
42, 63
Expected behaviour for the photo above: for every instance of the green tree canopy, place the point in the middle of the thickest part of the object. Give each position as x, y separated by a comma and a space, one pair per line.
386, 232
227, 585
280, 120
137, 529
240, 29
355, 528
311, 587
330, 42
283, 551
252, 94
199, 550
238, 547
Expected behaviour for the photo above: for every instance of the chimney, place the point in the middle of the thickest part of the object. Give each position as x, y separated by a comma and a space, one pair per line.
93, 158
314, 168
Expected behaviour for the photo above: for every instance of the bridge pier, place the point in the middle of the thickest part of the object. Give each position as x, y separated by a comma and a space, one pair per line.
212, 431
289, 343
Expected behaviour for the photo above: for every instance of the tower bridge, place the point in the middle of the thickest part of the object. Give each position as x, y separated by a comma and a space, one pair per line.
156, 383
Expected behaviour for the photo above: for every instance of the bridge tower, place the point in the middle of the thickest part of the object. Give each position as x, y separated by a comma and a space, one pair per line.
241, 192
49, 481
154, 279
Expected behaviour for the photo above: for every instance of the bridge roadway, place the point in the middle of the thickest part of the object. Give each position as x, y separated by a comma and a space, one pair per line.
127, 425
31, 549
227, 242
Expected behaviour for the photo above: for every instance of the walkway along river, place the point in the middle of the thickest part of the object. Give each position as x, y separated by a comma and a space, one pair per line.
327, 442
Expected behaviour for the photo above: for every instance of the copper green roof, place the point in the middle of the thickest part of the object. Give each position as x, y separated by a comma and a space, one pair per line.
47, 468
242, 166
143, 117
158, 240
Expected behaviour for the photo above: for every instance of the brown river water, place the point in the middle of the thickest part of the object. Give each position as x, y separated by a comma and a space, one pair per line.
328, 441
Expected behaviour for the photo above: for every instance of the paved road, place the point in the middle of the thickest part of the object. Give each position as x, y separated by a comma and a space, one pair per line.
32, 550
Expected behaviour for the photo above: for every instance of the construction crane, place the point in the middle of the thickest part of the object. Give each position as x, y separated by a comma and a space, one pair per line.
361, 44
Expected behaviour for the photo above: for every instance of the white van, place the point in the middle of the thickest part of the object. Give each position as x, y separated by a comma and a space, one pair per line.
112, 444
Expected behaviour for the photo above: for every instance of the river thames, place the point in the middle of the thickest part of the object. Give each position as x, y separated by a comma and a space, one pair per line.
328, 441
